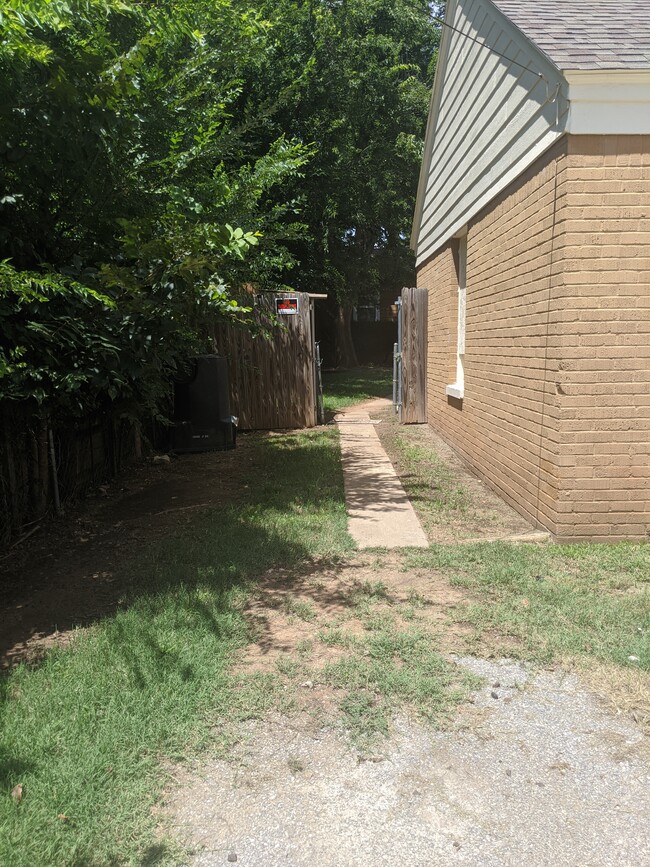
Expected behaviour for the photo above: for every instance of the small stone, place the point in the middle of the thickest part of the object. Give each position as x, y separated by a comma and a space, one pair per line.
308, 684
508, 773
456, 844
633, 658
494, 694
496, 685
232, 857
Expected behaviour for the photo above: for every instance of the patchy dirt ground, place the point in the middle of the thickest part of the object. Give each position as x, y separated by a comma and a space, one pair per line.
283, 620
533, 770
67, 574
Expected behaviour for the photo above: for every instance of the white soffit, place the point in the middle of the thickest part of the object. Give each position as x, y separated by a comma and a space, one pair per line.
609, 102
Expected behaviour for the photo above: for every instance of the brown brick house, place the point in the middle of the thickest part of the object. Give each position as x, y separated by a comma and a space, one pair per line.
532, 235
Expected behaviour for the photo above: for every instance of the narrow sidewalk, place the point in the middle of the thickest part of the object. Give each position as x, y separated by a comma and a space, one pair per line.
380, 515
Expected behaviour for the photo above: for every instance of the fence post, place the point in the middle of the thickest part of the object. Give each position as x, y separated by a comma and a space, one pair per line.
414, 313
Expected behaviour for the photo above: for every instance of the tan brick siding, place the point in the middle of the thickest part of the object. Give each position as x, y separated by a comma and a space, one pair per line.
605, 342
507, 424
556, 413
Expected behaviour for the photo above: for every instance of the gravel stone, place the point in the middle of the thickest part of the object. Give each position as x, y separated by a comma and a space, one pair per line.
548, 779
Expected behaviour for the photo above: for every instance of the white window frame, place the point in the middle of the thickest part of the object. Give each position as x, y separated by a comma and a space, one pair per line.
457, 388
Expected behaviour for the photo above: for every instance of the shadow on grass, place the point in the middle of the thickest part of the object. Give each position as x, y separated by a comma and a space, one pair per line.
91, 722
71, 585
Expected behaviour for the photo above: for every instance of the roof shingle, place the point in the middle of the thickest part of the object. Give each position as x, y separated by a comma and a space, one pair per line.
585, 34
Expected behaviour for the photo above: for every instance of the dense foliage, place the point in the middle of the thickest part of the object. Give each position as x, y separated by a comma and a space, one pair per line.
354, 77
123, 174
156, 158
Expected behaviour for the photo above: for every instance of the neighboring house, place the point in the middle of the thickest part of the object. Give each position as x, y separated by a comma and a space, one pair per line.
532, 234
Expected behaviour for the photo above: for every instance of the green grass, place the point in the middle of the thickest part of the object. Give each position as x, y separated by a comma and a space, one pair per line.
429, 483
86, 731
553, 603
347, 387
333, 637
388, 667
391, 668
299, 608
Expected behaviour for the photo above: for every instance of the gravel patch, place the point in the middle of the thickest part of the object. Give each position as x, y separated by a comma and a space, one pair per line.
546, 776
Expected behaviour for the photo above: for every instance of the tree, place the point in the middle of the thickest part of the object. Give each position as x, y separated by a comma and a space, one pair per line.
354, 78
130, 198
149, 147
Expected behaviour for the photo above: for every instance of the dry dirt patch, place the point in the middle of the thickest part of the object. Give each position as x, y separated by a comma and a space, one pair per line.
288, 609
69, 574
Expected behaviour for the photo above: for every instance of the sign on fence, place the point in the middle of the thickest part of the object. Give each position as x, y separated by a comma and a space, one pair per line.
286, 306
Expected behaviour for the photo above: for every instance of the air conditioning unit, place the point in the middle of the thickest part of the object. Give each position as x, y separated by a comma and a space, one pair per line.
202, 418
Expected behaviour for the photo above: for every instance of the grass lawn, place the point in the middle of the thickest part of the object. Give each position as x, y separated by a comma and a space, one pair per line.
552, 603
85, 732
347, 387
90, 730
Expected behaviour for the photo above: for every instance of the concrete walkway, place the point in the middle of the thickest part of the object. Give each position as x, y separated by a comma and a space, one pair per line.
380, 514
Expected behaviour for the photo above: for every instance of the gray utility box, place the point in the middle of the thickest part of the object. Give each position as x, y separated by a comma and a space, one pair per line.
202, 419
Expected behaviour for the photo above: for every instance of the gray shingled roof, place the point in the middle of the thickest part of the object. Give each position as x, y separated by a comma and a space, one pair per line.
586, 34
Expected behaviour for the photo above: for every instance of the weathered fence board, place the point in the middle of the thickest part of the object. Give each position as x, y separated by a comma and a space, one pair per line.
85, 456
414, 312
272, 378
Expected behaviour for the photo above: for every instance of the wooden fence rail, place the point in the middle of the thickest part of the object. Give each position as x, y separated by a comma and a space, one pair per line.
85, 455
272, 386
272, 383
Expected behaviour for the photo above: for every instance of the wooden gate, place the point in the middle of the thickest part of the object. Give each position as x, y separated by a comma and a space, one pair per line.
413, 352
272, 379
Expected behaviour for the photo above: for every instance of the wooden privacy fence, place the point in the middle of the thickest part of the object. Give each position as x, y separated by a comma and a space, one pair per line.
272, 385
413, 334
272, 379
83, 454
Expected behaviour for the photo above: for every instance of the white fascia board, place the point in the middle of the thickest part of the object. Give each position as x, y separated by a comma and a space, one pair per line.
609, 102
504, 181
443, 54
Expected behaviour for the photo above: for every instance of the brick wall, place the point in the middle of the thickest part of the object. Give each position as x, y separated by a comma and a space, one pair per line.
507, 424
556, 412
604, 375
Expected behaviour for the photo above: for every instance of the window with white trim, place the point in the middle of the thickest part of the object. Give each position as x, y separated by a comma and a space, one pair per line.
457, 389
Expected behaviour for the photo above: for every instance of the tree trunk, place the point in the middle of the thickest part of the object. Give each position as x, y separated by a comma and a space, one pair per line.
346, 354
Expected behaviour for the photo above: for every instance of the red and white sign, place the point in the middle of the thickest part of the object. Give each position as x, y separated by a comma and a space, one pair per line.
286, 306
